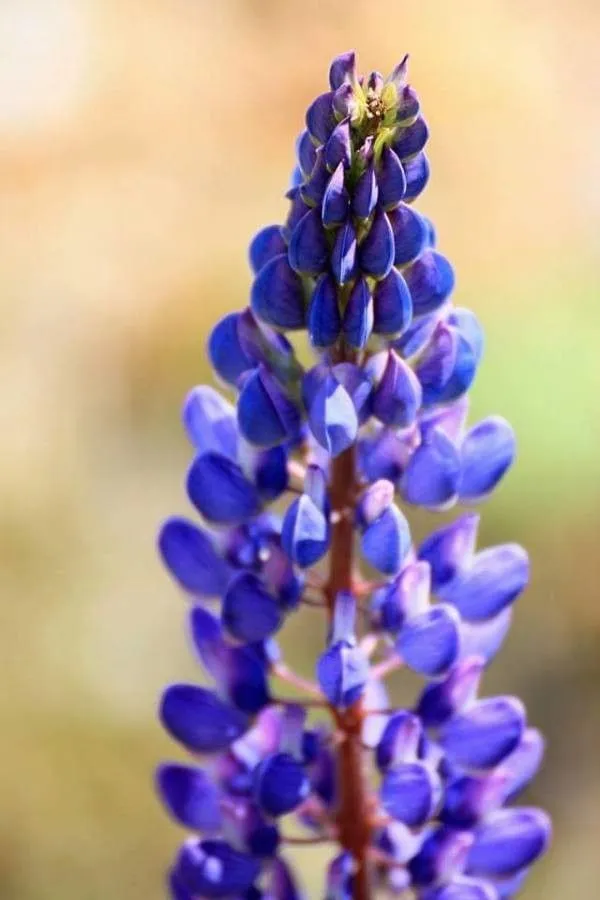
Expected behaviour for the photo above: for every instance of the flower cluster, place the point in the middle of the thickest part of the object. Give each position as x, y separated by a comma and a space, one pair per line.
303, 488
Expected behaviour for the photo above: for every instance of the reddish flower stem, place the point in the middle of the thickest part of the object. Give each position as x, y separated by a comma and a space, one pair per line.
353, 818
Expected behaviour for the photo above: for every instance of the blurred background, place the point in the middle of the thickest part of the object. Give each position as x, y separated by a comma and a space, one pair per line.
141, 145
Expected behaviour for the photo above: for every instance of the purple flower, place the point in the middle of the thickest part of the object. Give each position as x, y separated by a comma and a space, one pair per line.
378, 420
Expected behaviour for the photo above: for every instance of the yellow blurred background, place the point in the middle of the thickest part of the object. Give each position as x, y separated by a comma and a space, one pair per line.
142, 142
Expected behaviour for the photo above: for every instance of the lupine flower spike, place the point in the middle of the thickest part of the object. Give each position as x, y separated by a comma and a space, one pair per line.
304, 484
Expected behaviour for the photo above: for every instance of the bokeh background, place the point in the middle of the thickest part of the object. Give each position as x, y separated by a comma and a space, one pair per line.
141, 144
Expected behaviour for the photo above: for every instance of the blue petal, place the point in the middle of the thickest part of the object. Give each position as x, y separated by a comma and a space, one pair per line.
467, 799
383, 455
255, 833
280, 784
366, 193
506, 888
334, 209
442, 856
467, 323
343, 257
430, 280
209, 421
249, 611
523, 763
306, 152
429, 642
411, 140
386, 542
280, 578
432, 474
308, 251
410, 234
323, 776
190, 795
438, 361
191, 558
342, 629
461, 888
177, 891
377, 250
408, 105
315, 485
358, 315
343, 70
399, 74
374, 82
324, 320
200, 720
214, 870
266, 415
509, 840
207, 637
485, 638
431, 232
311, 746
494, 580
312, 381
392, 305
400, 740
277, 296
298, 208
338, 149
220, 491
305, 532
313, 189
340, 878
443, 699
465, 369
487, 451
261, 343
450, 549
416, 337
226, 354
450, 419
410, 793
417, 175
346, 102
332, 416
244, 546
266, 244
358, 385
391, 179
342, 673
485, 733
269, 472
397, 397
297, 177
240, 672
374, 501
401, 844
320, 120
406, 596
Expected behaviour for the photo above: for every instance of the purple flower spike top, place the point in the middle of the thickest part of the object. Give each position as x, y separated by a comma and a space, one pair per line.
425, 799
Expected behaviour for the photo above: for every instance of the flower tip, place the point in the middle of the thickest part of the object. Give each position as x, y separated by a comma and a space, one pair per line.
399, 73
343, 70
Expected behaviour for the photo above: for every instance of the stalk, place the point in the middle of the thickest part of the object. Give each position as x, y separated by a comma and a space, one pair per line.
352, 817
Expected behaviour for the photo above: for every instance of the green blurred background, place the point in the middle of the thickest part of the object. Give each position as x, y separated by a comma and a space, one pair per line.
141, 144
